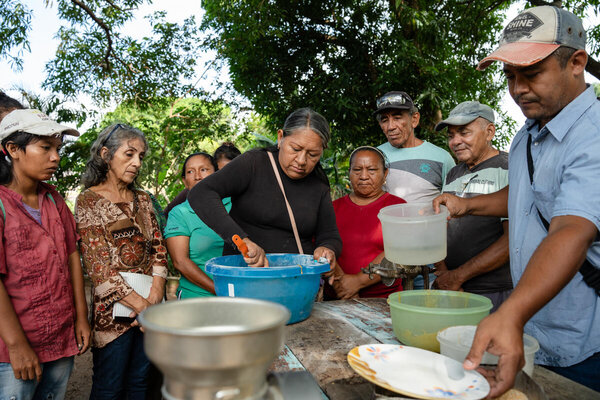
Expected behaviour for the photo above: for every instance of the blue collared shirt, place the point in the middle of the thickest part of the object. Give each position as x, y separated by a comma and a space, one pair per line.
566, 156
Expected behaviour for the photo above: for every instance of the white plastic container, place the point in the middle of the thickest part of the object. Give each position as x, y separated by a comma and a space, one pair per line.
456, 341
413, 234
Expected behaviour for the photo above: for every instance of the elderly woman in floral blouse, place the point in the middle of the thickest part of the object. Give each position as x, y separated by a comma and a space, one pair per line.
119, 233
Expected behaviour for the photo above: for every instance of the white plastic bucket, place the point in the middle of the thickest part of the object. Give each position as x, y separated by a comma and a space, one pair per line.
413, 234
456, 341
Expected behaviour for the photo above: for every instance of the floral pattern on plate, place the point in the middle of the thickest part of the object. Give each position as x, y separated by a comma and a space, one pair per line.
417, 373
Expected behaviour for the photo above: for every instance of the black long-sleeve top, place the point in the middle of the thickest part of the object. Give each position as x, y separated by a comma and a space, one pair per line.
258, 208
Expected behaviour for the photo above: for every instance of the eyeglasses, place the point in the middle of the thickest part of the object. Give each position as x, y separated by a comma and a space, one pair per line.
392, 99
117, 126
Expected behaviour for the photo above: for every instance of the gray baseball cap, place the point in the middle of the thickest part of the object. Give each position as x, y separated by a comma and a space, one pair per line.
465, 113
534, 34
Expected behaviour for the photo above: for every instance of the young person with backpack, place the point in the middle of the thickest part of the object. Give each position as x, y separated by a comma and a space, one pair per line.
42, 302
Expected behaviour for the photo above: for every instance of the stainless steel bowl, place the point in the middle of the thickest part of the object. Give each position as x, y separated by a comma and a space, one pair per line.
214, 348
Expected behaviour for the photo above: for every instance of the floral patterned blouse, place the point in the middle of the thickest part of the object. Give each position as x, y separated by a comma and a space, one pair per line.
116, 237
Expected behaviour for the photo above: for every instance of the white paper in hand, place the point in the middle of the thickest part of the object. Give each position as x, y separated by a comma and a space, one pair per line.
140, 283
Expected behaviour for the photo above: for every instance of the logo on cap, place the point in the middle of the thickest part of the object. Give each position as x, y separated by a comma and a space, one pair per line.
522, 26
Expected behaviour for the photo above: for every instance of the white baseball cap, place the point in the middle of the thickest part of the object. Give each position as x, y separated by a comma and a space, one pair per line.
34, 122
535, 34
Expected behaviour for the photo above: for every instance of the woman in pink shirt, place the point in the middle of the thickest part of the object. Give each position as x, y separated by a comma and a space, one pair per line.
42, 302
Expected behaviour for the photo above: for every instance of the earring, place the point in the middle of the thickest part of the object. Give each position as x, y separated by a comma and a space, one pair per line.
7, 159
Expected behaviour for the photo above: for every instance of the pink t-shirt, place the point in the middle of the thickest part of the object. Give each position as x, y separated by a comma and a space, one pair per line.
35, 272
362, 239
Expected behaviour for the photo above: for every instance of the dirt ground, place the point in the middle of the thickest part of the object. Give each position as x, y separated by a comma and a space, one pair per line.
80, 382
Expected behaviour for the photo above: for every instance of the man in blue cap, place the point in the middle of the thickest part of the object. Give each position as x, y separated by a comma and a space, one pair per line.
477, 259
553, 203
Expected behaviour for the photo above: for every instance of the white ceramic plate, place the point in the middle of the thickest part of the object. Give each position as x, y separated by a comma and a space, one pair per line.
418, 373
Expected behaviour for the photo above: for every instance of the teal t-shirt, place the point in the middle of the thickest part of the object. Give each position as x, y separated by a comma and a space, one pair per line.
417, 174
204, 242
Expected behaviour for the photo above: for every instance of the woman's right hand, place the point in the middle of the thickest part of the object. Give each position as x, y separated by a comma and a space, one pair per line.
137, 303
24, 362
256, 255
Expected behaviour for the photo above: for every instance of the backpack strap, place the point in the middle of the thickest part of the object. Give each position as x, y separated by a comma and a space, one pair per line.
4, 211
49, 196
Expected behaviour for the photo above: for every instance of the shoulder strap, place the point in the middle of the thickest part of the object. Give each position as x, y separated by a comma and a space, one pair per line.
591, 275
3, 210
51, 198
287, 204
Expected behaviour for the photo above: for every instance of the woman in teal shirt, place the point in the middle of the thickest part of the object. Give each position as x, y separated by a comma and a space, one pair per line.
190, 242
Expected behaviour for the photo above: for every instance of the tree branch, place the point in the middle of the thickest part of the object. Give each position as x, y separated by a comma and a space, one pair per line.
106, 29
593, 67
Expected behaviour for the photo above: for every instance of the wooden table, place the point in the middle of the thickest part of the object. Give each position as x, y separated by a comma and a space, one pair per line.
320, 345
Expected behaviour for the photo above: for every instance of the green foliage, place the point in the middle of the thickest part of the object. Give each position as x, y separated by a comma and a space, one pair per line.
95, 58
176, 128
16, 24
339, 56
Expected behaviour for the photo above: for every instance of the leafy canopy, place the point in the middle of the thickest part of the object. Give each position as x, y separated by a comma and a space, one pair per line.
339, 56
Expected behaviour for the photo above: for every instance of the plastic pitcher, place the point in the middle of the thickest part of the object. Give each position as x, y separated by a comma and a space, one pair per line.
413, 234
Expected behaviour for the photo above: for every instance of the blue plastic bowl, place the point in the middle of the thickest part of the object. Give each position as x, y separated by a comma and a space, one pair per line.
291, 280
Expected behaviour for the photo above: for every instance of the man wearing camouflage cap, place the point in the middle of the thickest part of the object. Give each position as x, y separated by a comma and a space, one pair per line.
553, 203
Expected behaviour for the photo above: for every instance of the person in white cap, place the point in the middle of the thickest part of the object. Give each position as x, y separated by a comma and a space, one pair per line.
42, 302
553, 203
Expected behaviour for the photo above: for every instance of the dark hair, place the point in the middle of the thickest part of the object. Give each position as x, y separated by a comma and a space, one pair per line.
384, 161
21, 140
200, 153
563, 55
96, 168
226, 150
8, 104
307, 118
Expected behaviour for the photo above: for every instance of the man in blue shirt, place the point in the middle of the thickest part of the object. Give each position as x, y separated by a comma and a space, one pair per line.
543, 51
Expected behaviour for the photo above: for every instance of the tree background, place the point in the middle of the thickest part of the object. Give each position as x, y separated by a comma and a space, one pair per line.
334, 56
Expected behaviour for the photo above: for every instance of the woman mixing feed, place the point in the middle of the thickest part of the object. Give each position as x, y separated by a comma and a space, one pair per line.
359, 227
119, 233
258, 211
190, 242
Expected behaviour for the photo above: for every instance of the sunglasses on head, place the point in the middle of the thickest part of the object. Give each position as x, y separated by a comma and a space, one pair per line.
392, 99
117, 126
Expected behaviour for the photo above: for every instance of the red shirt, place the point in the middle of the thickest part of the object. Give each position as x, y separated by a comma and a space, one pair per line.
362, 239
35, 272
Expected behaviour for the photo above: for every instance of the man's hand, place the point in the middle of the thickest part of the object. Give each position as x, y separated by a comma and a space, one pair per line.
498, 334
256, 255
448, 280
457, 206
347, 286
24, 362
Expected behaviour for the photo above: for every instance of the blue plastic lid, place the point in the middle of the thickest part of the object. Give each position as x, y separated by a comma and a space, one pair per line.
280, 266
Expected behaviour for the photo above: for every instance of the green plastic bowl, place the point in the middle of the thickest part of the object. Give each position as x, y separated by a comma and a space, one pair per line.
418, 315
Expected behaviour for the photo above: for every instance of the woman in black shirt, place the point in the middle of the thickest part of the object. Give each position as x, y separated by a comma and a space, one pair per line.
258, 213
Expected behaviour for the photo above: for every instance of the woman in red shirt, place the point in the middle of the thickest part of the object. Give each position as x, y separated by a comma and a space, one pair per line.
359, 227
